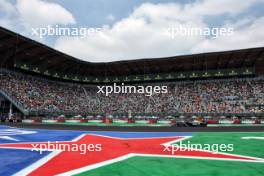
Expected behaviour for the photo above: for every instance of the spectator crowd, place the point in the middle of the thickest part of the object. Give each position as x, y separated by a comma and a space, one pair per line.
204, 96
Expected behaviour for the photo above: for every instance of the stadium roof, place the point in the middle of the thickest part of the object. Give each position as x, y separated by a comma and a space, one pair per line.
16, 48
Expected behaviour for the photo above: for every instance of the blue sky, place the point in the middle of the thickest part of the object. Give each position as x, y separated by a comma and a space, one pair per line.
136, 29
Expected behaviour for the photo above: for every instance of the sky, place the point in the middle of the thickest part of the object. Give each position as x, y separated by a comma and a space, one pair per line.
135, 29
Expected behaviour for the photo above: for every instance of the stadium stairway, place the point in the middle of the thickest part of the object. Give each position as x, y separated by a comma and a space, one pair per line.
14, 102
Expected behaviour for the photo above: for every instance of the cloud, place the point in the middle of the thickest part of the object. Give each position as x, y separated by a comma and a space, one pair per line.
248, 34
22, 15
39, 13
142, 34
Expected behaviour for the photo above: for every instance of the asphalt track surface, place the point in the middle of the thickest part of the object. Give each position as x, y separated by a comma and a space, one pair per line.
138, 128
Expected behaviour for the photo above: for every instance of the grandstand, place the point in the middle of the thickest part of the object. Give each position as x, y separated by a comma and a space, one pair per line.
37, 81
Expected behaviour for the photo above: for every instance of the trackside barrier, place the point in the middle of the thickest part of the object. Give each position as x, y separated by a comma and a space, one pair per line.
120, 121
27, 121
164, 122
150, 121
73, 121
107, 120
213, 122
226, 121
142, 121
248, 122
153, 121
95, 121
